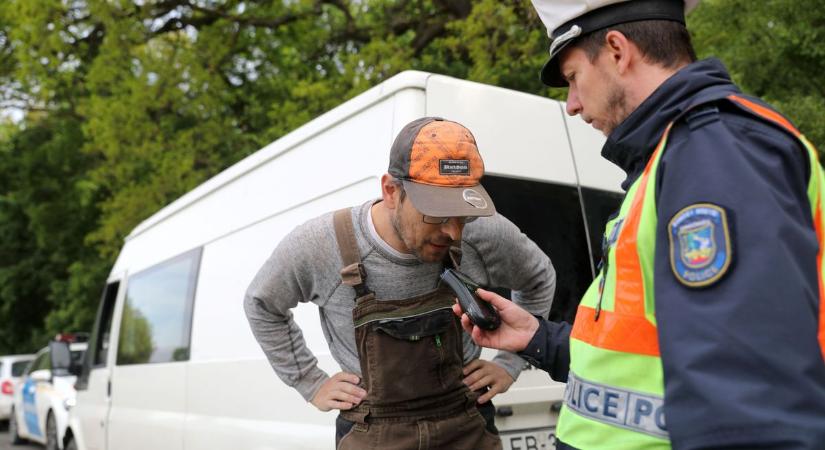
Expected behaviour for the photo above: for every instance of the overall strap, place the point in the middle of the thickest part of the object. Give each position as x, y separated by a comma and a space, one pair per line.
353, 273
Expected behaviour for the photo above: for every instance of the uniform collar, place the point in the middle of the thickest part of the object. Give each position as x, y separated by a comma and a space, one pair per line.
632, 142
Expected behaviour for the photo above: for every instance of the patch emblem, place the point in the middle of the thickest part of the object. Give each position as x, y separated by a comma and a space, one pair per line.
454, 167
700, 248
474, 198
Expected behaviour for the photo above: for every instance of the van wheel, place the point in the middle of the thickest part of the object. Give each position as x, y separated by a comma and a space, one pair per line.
71, 445
14, 432
51, 433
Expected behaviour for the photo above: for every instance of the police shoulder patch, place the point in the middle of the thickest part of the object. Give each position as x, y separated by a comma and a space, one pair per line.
700, 245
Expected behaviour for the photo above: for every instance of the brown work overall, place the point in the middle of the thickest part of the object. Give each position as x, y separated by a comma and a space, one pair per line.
411, 357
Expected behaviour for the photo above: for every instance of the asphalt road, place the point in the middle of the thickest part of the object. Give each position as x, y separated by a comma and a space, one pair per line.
5, 441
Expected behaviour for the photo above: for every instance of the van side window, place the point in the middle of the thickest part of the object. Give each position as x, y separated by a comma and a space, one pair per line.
157, 314
550, 215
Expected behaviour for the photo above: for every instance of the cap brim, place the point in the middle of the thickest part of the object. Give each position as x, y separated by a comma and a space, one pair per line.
551, 72
441, 201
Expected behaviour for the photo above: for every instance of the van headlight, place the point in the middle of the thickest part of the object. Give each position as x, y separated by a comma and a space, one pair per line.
69, 403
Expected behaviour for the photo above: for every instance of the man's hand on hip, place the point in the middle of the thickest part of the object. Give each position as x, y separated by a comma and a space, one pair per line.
517, 325
341, 391
479, 373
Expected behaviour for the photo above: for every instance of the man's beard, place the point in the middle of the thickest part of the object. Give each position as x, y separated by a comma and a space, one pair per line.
397, 225
617, 106
395, 220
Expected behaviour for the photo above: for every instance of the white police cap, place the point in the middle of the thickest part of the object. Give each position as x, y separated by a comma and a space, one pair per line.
567, 20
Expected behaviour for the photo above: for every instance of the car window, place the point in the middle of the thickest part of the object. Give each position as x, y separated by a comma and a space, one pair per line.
18, 367
77, 357
157, 314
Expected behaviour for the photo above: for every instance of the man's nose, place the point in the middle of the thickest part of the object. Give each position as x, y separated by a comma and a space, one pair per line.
452, 228
573, 105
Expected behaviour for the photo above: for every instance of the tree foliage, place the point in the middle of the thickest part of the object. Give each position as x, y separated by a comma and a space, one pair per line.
128, 104
775, 49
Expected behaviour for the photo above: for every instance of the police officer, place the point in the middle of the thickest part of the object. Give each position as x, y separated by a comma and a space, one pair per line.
705, 327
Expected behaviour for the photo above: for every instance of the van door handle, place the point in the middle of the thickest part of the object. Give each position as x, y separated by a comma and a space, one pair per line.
109, 389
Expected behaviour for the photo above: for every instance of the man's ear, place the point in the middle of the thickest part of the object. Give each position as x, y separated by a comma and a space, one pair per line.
389, 191
620, 51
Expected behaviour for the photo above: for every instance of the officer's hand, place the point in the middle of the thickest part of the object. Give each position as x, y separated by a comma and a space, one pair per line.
341, 391
479, 373
517, 325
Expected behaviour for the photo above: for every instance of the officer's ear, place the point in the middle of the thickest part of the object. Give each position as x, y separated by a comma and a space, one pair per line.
619, 51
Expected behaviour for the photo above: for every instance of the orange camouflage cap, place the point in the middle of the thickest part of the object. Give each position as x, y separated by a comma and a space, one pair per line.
438, 162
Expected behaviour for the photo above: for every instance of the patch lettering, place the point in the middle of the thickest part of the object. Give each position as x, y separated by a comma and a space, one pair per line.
454, 167
700, 246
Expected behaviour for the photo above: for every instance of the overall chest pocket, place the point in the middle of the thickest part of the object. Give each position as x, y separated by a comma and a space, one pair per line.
413, 358
414, 328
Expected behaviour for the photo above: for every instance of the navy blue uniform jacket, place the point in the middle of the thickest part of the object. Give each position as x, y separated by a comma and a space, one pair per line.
742, 365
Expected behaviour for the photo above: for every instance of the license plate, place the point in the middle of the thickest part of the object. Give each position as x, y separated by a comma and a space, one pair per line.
532, 439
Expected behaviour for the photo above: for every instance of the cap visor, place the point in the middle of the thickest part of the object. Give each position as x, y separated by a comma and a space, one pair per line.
439, 201
551, 72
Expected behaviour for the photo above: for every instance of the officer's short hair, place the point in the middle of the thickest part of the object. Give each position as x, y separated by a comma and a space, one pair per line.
663, 42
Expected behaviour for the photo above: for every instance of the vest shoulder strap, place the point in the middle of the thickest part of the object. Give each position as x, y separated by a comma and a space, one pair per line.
353, 273
764, 112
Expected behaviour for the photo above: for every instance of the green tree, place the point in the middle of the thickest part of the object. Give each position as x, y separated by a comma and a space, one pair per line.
774, 49
46, 208
131, 103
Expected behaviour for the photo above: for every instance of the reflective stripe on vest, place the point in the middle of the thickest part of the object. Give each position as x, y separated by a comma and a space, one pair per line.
612, 401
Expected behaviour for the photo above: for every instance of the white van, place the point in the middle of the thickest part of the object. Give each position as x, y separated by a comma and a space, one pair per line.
172, 363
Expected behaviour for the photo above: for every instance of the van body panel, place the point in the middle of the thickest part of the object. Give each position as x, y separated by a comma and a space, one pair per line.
148, 407
220, 329
88, 418
221, 415
594, 171
519, 135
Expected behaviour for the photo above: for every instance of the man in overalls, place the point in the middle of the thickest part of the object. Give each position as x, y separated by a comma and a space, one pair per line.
411, 378
705, 327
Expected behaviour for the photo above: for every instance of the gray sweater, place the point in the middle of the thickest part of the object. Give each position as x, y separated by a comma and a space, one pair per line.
305, 268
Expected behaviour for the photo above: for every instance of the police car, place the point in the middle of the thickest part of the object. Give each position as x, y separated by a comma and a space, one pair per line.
45, 394
11, 367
